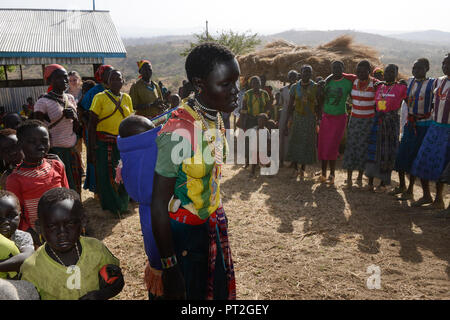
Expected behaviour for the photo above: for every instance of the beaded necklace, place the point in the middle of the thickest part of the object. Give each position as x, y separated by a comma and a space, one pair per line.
215, 144
59, 259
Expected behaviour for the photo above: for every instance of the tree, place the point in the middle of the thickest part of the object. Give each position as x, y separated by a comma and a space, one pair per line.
238, 43
2, 71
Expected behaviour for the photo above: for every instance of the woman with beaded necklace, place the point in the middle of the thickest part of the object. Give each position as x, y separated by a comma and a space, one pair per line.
108, 110
59, 110
191, 236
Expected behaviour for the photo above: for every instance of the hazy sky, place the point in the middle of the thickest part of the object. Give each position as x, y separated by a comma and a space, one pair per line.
174, 17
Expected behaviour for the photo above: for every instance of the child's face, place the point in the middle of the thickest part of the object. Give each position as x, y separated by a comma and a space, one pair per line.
35, 144
61, 226
9, 216
10, 151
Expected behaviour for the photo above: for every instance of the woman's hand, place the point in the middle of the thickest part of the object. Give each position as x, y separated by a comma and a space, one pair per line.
173, 284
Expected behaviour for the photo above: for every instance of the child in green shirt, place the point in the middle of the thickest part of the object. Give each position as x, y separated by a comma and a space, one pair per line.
69, 266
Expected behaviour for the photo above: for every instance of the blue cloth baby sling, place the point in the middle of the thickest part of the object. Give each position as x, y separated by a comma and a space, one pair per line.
139, 154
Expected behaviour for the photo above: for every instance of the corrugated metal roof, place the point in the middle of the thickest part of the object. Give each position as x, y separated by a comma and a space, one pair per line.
58, 33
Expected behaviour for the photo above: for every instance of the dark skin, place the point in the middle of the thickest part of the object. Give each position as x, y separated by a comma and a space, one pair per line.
363, 73
59, 80
439, 200
306, 74
10, 151
218, 91
337, 70
35, 145
146, 72
390, 76
292, 79
61, 227
115, 84
9, 222
12, 121
419, 71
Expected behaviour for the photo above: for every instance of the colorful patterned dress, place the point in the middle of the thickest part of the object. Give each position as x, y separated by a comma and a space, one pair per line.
198, 221
434, 154
302, 147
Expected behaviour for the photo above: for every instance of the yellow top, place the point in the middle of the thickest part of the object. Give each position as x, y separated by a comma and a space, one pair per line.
102, 106
7, 249
54, 281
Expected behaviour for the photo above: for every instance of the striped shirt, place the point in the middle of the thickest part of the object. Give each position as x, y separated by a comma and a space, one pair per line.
442, 100
420, 97
61, 135
363, 99
29, 184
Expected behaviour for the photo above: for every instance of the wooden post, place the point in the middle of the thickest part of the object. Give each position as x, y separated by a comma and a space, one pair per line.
5, 69
21, 72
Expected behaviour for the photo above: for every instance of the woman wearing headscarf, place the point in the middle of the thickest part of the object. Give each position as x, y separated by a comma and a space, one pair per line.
108, 110
101, 77
59, 111
188, 220
145, 93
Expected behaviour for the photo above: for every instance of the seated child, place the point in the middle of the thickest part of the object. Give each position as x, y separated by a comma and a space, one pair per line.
10, 154
138, 152
67, 266
15, 245
35, 175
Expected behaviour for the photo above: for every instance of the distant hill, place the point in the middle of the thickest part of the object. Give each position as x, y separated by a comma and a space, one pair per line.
392, 50
168, 65
429, 36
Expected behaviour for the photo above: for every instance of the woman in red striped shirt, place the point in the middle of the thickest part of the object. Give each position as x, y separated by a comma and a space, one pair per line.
361, 120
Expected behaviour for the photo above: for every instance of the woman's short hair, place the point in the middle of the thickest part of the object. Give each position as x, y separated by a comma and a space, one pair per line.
201, 60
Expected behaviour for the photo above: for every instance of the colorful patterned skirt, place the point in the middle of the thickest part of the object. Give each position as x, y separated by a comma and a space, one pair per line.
409, 146
302, 147
434, 154
358, 132
204, 255
72, 163
383, 146
113, 196
331, 132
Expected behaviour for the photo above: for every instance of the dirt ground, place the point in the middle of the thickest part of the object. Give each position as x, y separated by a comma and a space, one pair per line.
293, 239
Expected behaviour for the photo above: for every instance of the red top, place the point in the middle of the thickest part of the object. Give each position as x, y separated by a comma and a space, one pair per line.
29, 184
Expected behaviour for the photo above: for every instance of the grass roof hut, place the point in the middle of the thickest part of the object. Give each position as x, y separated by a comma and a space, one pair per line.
277, 58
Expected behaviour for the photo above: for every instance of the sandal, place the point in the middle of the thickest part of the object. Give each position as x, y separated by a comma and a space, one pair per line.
421, 202
397, 191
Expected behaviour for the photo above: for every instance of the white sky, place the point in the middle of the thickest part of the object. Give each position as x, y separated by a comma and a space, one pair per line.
175, 17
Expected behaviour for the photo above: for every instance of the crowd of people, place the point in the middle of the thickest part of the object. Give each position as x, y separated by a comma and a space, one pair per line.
130, 140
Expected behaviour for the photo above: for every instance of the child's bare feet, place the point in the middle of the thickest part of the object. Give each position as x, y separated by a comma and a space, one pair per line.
397, 190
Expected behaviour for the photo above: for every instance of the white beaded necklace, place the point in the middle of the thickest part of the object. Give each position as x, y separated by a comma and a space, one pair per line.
59, 259
216, 145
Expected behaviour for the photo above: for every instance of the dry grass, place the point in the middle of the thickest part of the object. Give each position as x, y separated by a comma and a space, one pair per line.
277, 58
295, 239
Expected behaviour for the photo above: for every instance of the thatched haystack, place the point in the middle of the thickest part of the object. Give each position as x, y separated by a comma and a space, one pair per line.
278, 57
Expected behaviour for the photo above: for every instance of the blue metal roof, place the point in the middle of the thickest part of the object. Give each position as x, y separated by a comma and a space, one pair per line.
38, 33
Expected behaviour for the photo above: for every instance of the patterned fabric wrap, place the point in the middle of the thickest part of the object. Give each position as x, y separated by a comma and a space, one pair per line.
358, 132
302, 147
113, 197
383, 140
409, 146
185, 224
72, 162
434, 154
